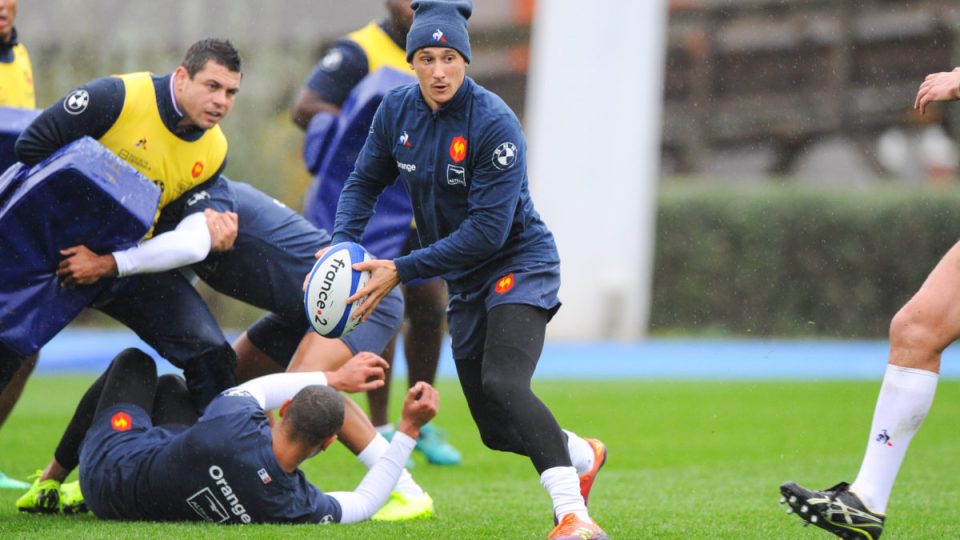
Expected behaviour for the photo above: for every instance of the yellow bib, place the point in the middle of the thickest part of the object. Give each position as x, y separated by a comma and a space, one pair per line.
16, 81
380, 49
140, 138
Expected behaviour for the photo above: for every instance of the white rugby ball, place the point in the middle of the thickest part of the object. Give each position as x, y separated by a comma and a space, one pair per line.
331, 282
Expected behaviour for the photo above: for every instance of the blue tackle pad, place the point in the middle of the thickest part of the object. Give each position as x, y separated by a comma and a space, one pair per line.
82, 194
342, 140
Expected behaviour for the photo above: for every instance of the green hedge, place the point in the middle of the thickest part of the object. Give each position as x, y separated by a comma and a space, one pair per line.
794, 261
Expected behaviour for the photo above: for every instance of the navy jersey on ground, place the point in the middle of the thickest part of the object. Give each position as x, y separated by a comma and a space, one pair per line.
225, 469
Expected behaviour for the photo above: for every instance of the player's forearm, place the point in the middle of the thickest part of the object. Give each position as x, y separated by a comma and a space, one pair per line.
187, 244
272, 391
374, 490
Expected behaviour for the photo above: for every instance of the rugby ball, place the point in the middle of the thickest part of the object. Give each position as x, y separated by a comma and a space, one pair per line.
331, 281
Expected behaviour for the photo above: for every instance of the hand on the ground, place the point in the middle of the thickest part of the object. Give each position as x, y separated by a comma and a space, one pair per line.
383, 278
944, 86
421, 405
365, 371
81, 266
223, 227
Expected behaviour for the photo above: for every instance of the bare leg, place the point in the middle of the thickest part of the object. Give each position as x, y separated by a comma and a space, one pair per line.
930, 321
251, 361
919, 333
357, 430
379, 400
425, 304
317, 353
11, 393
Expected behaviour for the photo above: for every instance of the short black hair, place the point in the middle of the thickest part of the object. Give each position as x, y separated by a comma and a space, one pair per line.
314, 414
220, 51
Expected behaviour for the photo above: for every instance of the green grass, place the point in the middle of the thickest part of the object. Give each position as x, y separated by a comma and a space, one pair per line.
687, 460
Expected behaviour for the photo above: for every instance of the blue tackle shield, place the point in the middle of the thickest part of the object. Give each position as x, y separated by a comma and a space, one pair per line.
82, 194
389, 227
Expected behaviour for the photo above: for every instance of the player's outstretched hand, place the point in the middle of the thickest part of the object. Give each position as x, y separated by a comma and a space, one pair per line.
80, 266
421, 405
943, 86
365, 371
383, 278
223, 229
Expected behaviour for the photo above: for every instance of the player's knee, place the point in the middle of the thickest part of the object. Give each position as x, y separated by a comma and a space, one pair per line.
134, 359
494, 438
909, 330
173, 384
503, 390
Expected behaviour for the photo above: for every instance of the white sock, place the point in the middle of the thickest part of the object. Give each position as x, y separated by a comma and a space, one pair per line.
371, 454
581, 453
563, 485
386, 429
904, 400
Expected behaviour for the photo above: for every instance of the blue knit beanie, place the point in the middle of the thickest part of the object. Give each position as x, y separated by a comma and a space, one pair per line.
439, 23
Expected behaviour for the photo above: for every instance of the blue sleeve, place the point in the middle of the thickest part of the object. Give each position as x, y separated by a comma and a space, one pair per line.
495, 186
375, 170
340, 69
311, 505
88, 110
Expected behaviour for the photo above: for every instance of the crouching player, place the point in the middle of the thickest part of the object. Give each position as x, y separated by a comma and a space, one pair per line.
146, 456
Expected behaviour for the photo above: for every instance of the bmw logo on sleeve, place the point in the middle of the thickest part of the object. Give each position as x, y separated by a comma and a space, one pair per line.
505, 156
77, 101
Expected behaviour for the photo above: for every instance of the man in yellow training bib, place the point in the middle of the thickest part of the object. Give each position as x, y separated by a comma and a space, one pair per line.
16, 73
165, 127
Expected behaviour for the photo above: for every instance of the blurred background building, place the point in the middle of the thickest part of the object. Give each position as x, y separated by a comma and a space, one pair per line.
72, 42
813, 93
806, 88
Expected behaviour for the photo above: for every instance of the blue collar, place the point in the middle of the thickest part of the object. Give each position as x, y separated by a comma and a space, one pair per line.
6, 48
169, 111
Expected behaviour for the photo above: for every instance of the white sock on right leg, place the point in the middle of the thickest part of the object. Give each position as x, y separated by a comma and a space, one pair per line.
905, 398
371, 454
581, 453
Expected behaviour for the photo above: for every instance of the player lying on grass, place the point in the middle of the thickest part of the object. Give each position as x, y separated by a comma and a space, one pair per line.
926, 325
144, 455
272, 249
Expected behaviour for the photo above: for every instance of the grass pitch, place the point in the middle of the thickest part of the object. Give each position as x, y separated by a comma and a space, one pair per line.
687, 460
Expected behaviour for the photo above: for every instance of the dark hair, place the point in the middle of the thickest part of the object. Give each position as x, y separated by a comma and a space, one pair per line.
314, 414
220, 51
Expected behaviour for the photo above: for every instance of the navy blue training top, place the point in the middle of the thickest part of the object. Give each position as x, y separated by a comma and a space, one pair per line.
227, 456
465, 168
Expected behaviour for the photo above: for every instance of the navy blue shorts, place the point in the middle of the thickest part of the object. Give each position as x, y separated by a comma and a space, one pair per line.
118, 442
534, 285
279, 337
